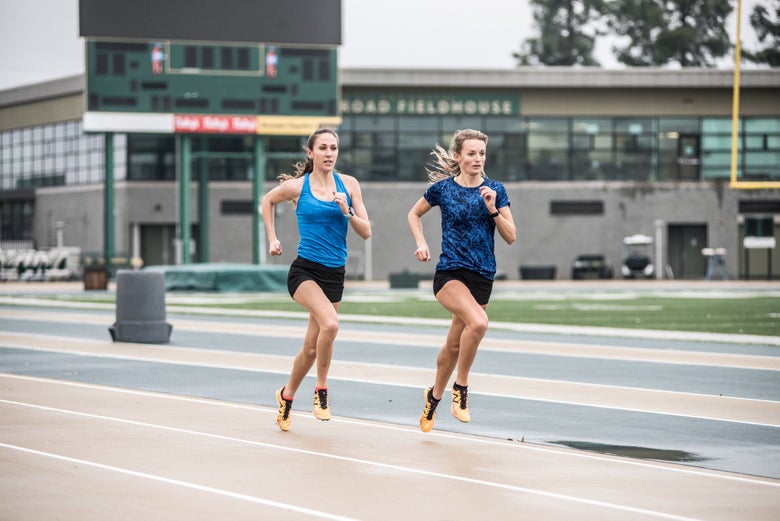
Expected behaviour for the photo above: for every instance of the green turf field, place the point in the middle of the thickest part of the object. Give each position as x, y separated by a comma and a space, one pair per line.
736, 312
747, 315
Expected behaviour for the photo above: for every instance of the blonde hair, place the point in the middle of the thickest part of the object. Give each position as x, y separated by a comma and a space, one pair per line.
301, 168
444, 164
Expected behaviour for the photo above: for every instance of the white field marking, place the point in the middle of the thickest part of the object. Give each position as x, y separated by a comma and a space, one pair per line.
596, 307
380, 381
387, 466
692, 336
185, 484
383, 426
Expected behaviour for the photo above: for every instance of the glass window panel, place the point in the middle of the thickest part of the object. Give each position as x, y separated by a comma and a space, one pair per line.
633, 142
450, 124
421, 140
603, 141
504, 124
581, 142
373, 123
635, 166
385, 140
547, 141
364, 140
763, 160
506, 157
591, 125
716, 125
412, 164
716, 142
635, 126
545, 164
547, 124
762, 125
754, 142
591, 165
417, 123
345, 141
686, 125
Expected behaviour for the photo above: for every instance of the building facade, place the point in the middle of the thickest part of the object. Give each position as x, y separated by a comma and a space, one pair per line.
588, 156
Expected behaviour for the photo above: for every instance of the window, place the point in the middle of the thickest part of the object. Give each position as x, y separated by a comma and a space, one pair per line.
576, 207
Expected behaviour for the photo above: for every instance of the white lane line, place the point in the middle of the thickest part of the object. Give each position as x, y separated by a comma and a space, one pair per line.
385, 426
339, 369
399, 468
185, 484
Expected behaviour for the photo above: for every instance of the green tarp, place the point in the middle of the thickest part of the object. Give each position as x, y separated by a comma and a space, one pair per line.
223, 277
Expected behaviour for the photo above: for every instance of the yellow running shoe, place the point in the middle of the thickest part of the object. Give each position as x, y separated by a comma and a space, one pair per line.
429, 413
321, 409
283, 418
460, 403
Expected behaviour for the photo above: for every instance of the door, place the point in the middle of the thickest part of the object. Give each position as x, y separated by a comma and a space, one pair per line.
684, 250
157, 244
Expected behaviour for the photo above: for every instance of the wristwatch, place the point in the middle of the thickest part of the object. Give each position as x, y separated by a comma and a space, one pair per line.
350, 213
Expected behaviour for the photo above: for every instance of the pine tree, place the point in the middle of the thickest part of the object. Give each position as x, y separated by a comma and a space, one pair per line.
768, 33
691, 33
567, 33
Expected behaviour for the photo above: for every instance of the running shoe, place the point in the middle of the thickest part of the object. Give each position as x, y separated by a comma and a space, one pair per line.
283, 418
429, 413
460, 403
321, 409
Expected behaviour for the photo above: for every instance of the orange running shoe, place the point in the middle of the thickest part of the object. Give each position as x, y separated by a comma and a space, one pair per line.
321, 409
283, 418
429, 413
460, 403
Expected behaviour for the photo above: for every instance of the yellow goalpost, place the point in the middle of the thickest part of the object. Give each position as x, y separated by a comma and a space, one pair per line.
735, 184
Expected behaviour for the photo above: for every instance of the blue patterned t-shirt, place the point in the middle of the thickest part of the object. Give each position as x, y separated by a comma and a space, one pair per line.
466, 226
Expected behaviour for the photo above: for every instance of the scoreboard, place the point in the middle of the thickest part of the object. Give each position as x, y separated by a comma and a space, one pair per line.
201, 78
239, 66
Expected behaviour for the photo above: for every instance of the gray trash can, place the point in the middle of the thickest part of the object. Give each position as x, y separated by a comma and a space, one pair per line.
140, 308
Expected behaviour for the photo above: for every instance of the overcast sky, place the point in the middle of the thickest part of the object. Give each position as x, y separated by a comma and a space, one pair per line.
39, 38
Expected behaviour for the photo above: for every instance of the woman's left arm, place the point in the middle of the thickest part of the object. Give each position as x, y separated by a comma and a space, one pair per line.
359, 221
506, 224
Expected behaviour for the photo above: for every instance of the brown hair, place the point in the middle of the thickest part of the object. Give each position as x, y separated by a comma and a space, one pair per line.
301, 168
444, 164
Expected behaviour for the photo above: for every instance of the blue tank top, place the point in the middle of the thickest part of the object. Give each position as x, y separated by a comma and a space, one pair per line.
322, 227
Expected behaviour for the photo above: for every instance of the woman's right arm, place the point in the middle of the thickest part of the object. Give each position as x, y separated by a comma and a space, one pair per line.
287, 191
420, 208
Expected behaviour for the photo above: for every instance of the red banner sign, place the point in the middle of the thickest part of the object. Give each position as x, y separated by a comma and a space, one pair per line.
215, 124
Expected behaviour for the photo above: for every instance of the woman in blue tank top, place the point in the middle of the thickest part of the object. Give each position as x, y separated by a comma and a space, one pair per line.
473, 208
326, 205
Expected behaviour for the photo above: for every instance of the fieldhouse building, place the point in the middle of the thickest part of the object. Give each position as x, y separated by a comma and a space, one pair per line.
588, 156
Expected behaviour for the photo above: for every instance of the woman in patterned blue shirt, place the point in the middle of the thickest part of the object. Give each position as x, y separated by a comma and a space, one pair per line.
326, 204
472, 207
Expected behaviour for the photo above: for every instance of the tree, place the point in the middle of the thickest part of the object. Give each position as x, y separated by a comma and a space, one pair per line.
691, 33
566, 33
766, 29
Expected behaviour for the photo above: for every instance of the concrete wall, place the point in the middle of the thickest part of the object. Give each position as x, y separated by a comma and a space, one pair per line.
542, 239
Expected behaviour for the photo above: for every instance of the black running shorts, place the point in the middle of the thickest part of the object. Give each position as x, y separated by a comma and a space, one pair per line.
330, 280
479, 286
